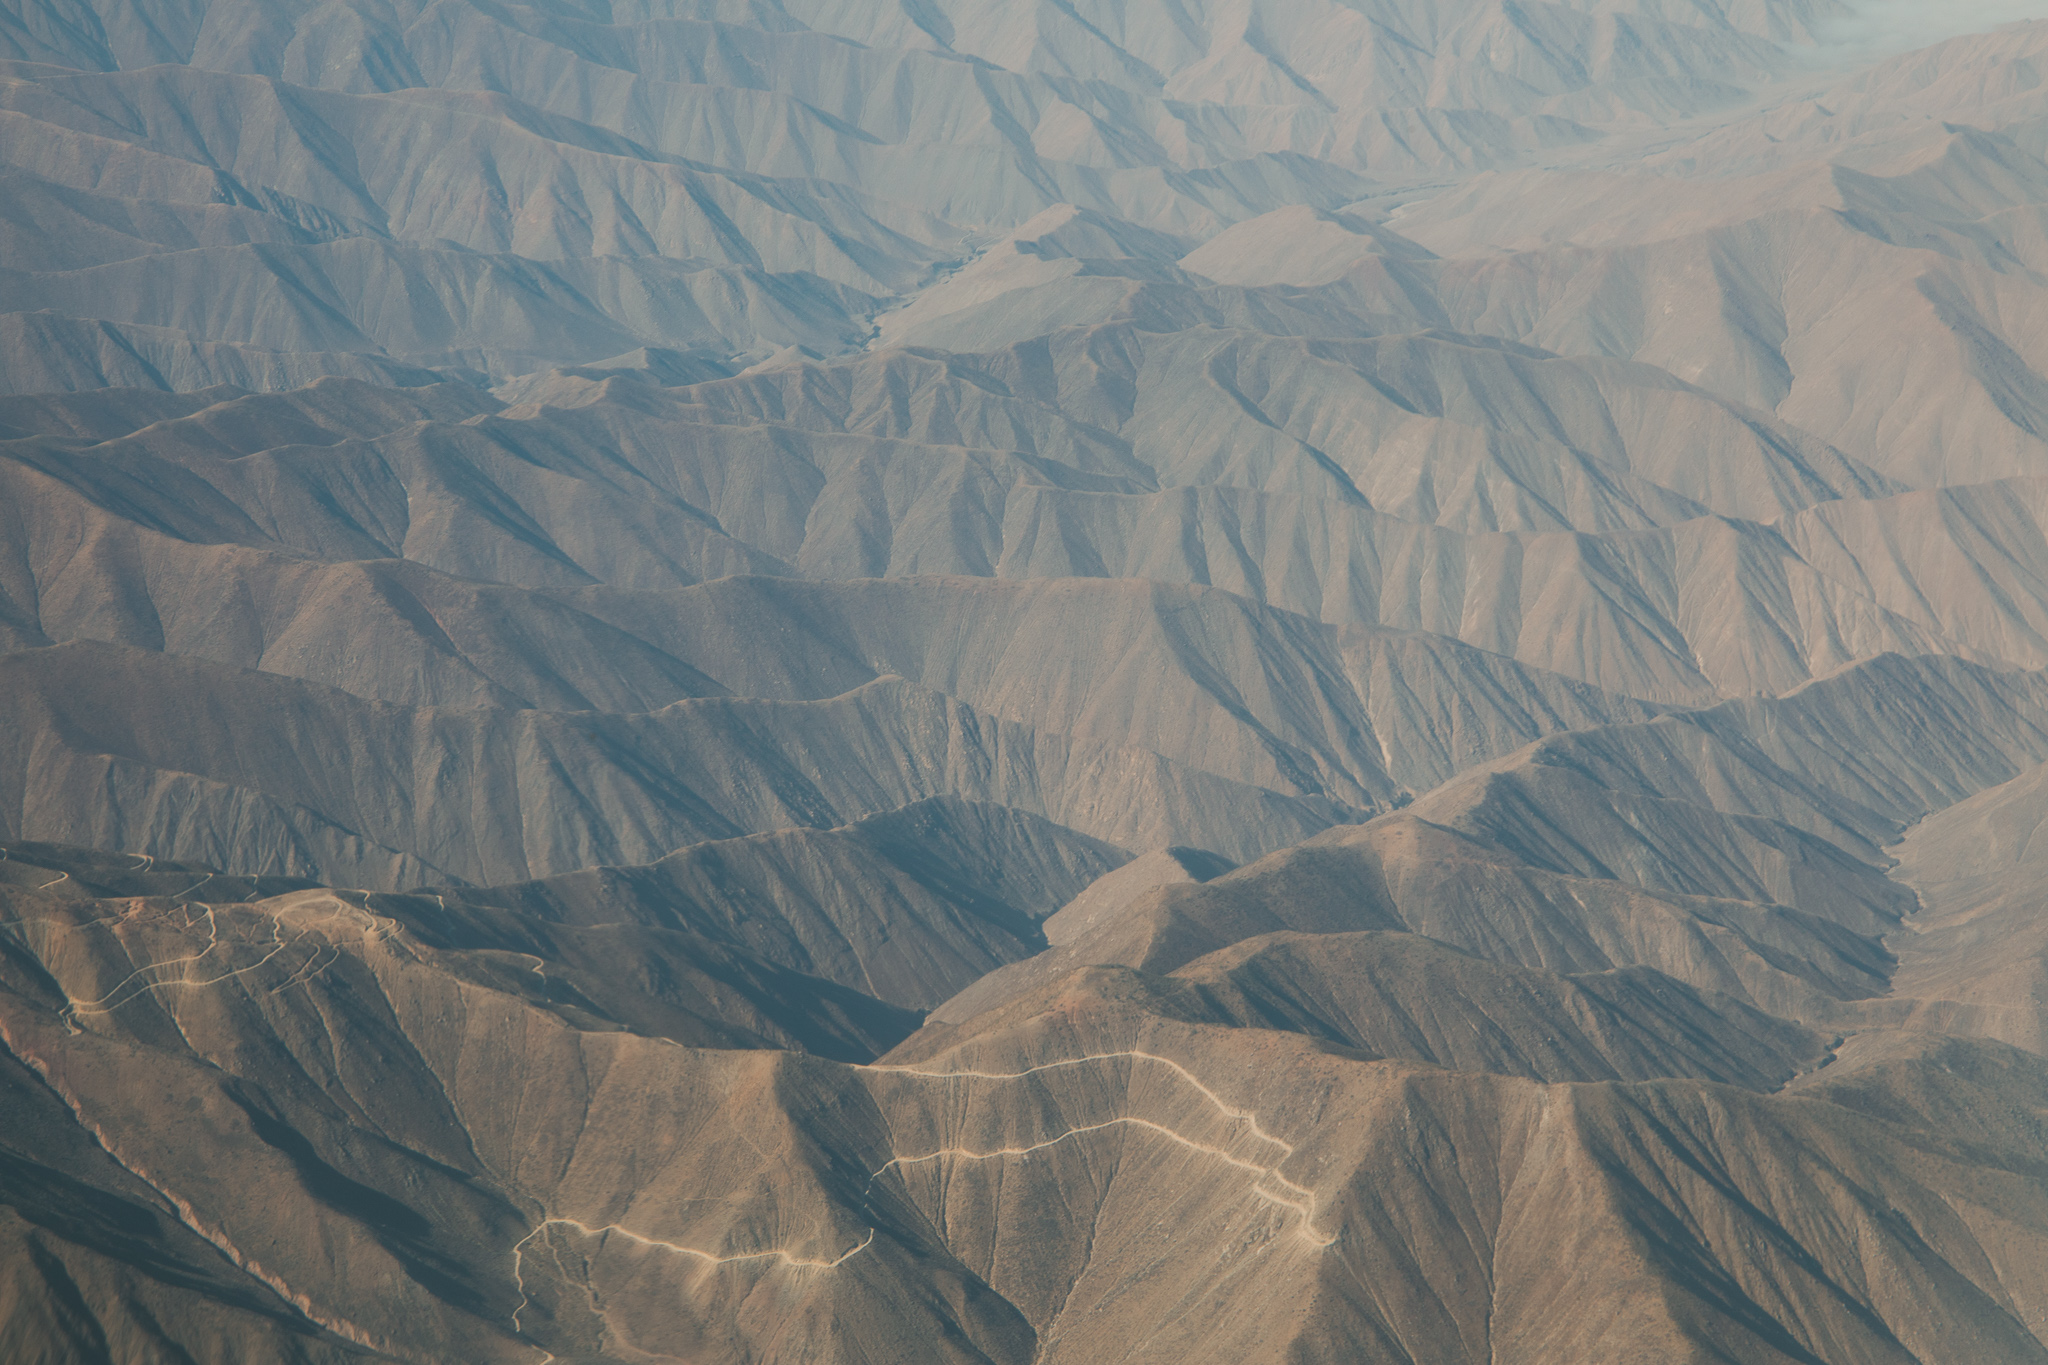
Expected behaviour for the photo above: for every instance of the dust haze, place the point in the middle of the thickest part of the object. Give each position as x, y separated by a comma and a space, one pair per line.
1880, 28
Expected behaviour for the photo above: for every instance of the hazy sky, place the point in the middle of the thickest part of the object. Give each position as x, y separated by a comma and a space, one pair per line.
1898, 25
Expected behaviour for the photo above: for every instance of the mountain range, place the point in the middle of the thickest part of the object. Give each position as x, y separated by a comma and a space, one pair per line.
1054, 683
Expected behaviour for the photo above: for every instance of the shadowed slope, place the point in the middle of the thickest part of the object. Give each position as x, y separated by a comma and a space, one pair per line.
909, 905
222, 768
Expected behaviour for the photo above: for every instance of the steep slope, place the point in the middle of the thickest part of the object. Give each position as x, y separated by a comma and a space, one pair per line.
1973, 959
1573, 1168
1398, 995
1106, 898
1757, 260
909, 906
605, 492
988, 1192
210, 773
1340, 712
98, 1265
1736, 849
487, 189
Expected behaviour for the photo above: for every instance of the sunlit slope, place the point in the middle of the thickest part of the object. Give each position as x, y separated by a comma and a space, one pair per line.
495, 1167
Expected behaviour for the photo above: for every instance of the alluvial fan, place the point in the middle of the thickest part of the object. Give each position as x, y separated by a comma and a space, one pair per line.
1063, 682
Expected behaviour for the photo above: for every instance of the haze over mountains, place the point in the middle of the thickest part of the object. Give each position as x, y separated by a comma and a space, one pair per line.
1037, 682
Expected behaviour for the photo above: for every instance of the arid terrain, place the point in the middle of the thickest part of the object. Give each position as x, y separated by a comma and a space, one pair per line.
1030, 682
